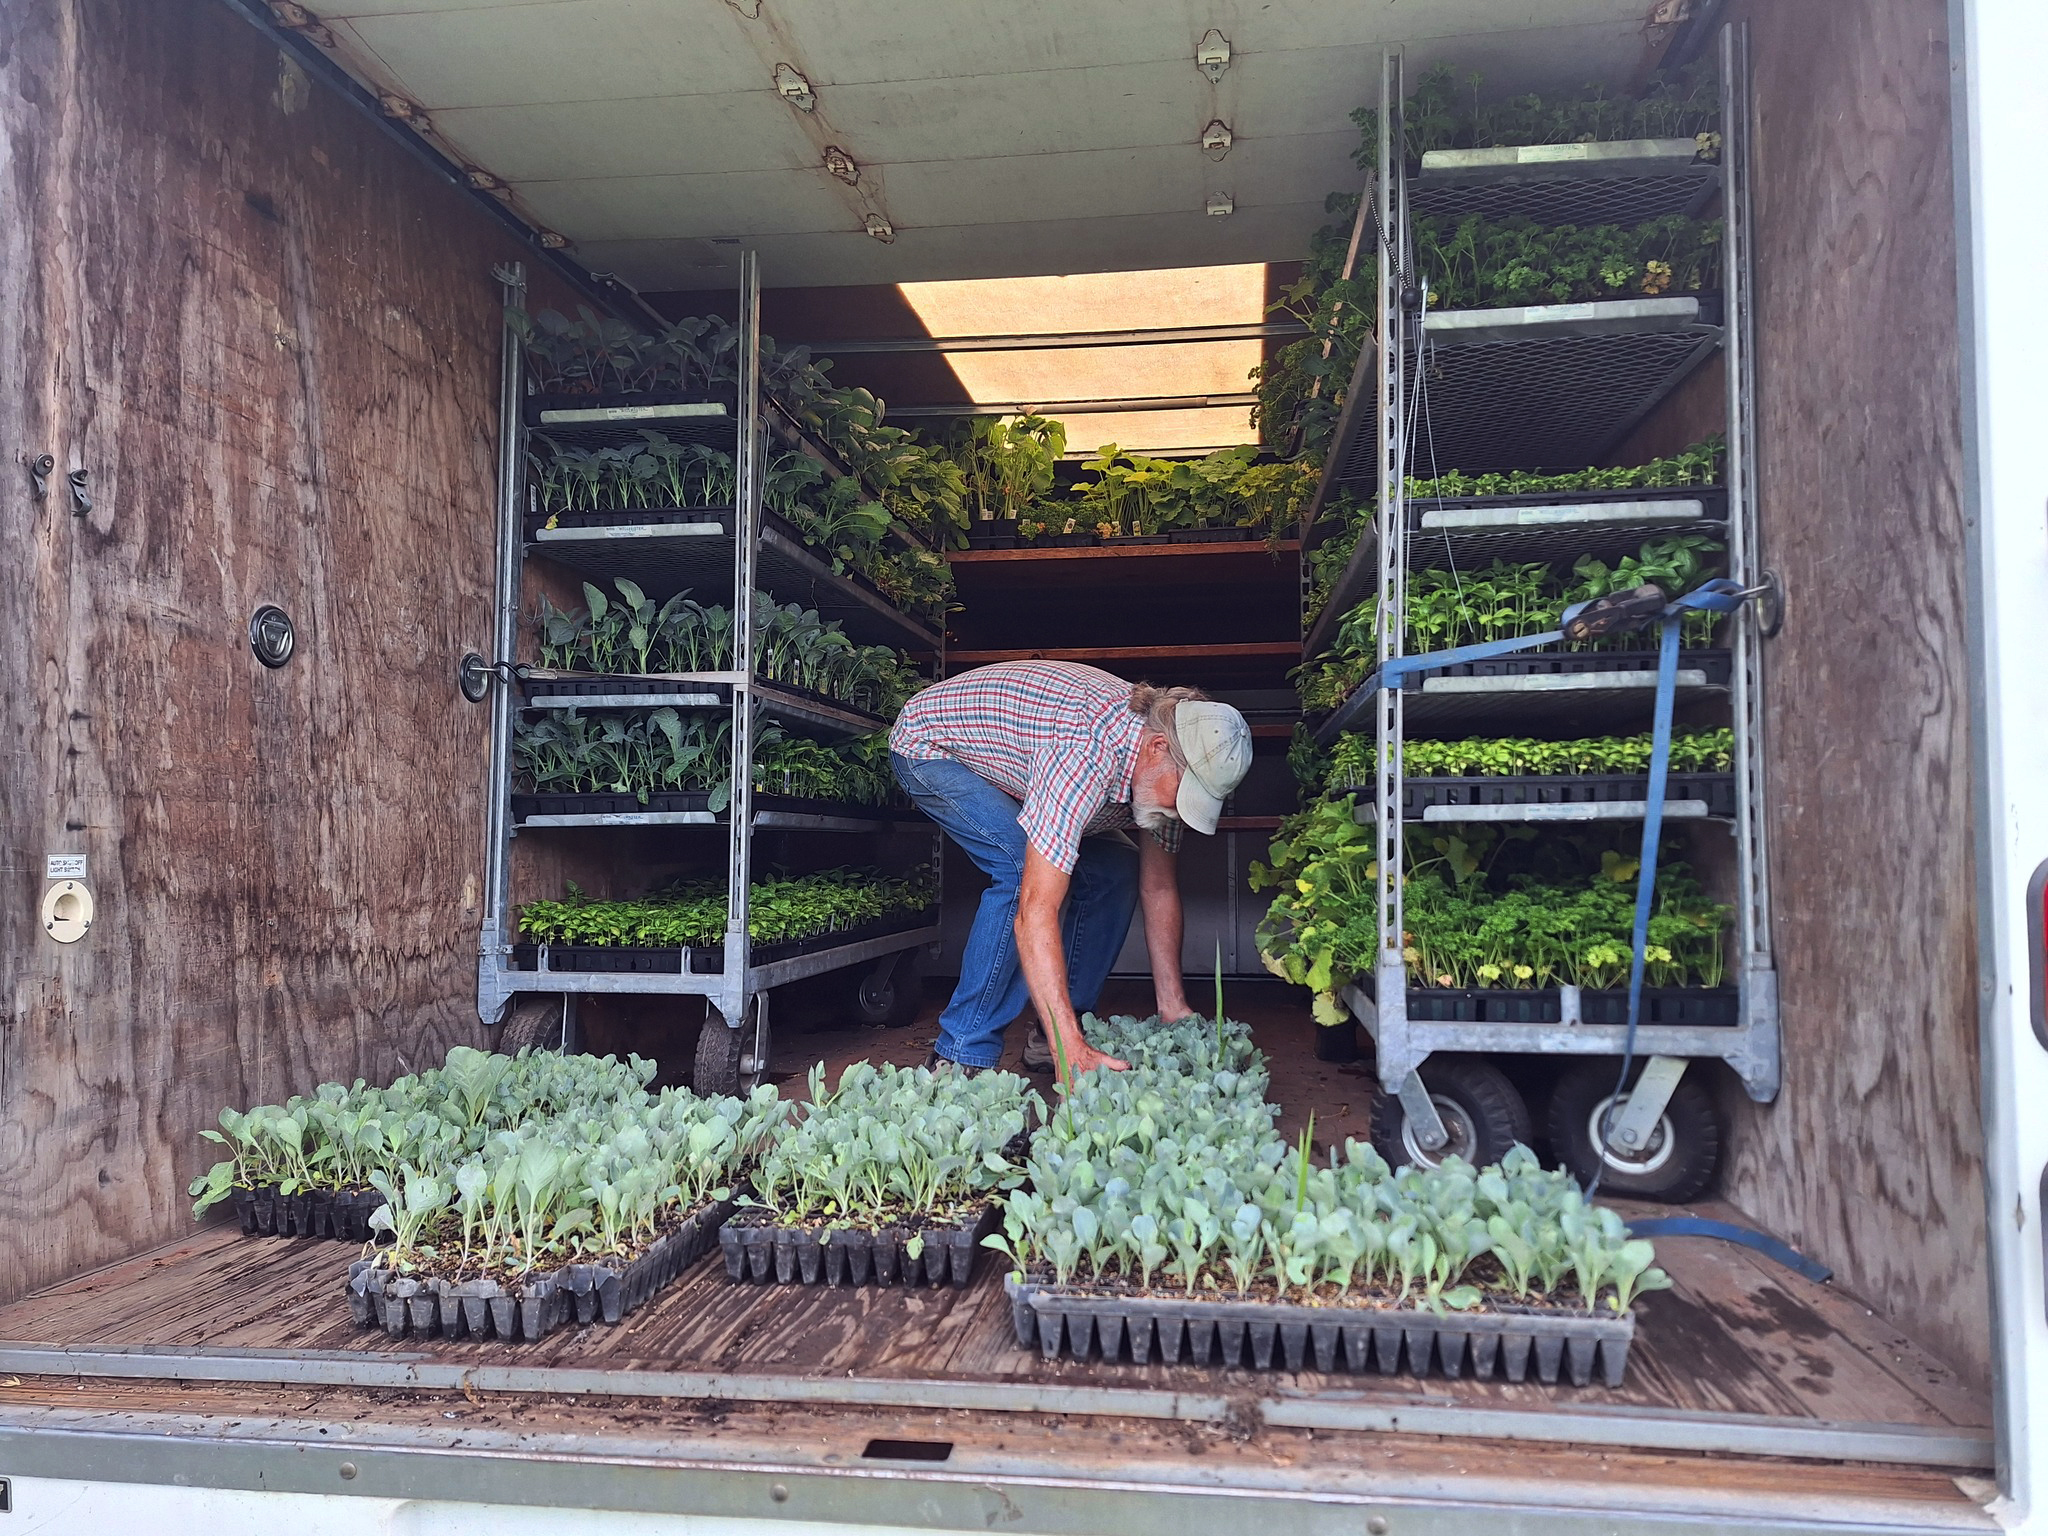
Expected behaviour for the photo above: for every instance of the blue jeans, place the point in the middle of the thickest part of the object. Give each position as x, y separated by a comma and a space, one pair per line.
1093, 923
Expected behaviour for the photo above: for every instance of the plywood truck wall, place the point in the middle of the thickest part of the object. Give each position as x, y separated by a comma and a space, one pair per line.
1871, 1158
270, 339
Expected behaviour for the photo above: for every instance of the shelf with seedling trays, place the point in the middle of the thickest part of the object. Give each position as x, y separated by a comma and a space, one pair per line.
738, 549
670, 551
1547, 388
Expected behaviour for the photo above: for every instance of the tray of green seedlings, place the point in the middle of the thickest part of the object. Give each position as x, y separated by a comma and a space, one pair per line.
892, 1178
682, 928
579, 1218
306, 1167
1165, 1216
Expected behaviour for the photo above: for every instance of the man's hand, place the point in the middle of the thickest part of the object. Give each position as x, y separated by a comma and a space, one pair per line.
1044, 961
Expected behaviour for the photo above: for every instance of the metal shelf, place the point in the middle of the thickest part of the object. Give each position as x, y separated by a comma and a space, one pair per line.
613, 421
1550, 387
1561, 693
1463, 537
727, 555
1624, 182
651, 690
766, 821
1557, 385
1525, 798
670, 557
715, 984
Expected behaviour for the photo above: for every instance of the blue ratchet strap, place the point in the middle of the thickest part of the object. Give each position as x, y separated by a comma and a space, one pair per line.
1728, 1232
1718, 596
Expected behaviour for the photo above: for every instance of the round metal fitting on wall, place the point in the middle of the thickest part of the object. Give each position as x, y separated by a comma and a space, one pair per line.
473, 677
271, 635
67, 911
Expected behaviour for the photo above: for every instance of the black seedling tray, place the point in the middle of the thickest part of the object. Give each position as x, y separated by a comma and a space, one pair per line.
1007, 539
524, 806
757, 1249
1422, 791
1271, 1335
601, 685
580, 1293
340, 1214
1715, 664
1710, 1007
1212, 535
1067, 540
707, 960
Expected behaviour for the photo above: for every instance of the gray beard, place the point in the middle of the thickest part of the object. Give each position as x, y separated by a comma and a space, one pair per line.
1149, 813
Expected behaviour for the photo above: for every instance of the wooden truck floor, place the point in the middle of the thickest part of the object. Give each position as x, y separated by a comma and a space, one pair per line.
1750, 1392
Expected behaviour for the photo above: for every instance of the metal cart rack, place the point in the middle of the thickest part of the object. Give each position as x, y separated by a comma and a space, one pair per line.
751, 551
1520, 388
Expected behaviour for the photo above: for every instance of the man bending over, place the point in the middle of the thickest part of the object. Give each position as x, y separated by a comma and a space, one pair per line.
1034, 768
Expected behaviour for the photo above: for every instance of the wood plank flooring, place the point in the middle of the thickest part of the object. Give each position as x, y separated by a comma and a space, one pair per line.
1733, 1336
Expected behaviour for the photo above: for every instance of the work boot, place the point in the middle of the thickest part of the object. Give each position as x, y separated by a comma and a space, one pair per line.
1037, 1052
935, 1062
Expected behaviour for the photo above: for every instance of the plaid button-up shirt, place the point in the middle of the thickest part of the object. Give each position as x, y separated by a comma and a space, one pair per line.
1055, 735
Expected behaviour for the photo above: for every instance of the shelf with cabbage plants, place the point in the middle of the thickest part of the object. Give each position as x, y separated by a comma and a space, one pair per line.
666, 767
1522, 779
1498, 927
625, 650
681, 929
891, 1178
1165, 1216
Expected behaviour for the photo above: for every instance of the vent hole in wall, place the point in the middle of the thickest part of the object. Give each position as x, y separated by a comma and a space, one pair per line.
907, 1450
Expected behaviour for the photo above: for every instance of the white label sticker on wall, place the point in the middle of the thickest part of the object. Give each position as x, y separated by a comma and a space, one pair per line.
64, 866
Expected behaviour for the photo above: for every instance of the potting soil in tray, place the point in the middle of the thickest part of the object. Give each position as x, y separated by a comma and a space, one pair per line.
533, 1307
1270, 1335
759, 1249
343, 1214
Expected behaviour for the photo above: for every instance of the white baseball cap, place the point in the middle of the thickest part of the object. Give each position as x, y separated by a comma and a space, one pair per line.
1218, 746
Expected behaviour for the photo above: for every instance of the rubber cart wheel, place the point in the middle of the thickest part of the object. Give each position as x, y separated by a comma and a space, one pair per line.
1483, 1112
733, 1060
533, 1021
894, 998
1677, 1164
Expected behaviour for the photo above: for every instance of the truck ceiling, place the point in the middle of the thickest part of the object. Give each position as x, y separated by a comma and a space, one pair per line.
873, 141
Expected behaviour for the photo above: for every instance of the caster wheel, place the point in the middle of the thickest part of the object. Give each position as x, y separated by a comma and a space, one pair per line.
1679, 1161
534, 1021
1480, 1108
733, 1061
892, 996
